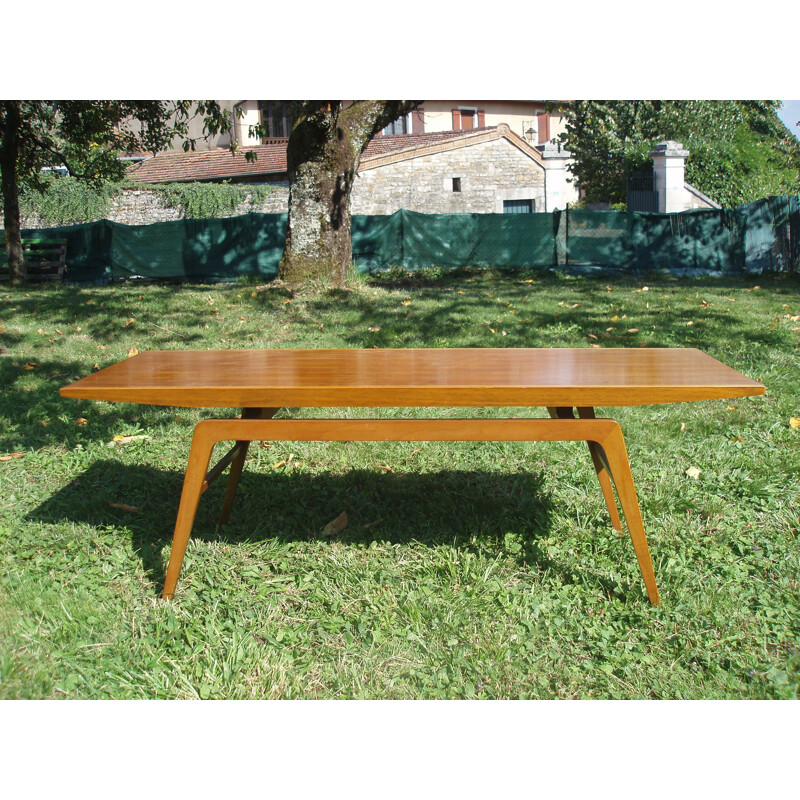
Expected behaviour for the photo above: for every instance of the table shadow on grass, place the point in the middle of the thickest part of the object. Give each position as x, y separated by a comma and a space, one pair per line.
467, 510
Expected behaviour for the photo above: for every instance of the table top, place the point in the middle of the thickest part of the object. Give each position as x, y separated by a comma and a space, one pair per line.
415, 377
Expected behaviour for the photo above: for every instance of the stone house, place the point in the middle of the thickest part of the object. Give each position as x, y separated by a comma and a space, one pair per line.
474, 170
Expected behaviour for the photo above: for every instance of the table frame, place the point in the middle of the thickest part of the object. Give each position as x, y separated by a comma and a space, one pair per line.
604, 437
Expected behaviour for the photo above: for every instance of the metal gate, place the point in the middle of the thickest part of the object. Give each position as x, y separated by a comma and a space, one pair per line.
641, 196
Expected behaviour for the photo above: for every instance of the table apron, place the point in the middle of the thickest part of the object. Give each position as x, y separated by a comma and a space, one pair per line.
405, 430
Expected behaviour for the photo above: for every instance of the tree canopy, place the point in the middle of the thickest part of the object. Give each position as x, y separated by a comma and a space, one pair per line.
739, 150
85, 136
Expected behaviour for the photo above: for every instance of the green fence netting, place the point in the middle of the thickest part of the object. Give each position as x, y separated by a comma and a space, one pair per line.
694, 241
772, 239
756, 237
414, 241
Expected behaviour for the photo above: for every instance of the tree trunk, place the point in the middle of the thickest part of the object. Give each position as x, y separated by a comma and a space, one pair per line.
323, 155
8, 165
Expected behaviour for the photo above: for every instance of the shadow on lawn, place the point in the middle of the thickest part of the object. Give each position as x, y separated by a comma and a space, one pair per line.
444, 508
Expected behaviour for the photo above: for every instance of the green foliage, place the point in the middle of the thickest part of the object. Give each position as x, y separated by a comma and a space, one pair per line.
209, 200
66, 200
739, 149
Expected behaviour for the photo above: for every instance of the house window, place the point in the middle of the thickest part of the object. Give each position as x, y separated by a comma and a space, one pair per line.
465, 119
398, 127
278, 118
518, 206
469, 118
456, 184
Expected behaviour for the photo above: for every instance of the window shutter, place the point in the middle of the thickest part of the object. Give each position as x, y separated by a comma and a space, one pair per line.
456, 120
481, 119
544, 127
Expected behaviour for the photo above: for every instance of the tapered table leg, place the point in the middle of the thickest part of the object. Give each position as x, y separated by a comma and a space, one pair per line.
237, 465
598, 459
603, 473
194, 483
614, 447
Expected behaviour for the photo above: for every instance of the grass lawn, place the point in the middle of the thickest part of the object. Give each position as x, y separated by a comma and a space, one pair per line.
467, 570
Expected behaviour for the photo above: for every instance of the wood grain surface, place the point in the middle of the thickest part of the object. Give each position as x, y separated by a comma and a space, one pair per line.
415, 377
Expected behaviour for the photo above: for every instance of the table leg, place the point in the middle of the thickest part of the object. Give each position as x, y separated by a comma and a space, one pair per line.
194, 484
614, 448
237, 465
598, 459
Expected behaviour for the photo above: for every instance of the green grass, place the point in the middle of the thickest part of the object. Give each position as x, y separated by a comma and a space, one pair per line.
466, 570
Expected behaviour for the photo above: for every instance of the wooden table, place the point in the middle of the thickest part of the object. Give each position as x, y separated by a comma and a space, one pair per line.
260, 382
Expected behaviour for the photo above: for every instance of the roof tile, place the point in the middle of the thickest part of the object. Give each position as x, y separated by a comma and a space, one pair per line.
221, 163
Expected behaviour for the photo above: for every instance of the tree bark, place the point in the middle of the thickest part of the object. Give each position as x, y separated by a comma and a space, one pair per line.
9, 150
323, 155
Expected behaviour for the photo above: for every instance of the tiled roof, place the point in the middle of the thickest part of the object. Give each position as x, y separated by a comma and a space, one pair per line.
220, 164
211, 164
385, 144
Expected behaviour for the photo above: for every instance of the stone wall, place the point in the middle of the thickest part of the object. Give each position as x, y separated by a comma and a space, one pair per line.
489, 173
145, 206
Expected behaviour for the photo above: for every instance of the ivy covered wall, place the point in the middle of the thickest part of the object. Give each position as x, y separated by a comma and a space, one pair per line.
66, 201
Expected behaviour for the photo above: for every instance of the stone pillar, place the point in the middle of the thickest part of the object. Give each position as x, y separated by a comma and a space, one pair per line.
555, 175
669, 161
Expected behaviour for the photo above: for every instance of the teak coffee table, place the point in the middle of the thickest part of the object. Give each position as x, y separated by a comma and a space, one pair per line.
260, 382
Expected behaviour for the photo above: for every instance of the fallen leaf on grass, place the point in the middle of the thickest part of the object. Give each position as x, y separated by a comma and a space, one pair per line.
693, 472
278, 465
633, 330
82, 421
336, 525
119, 439
129, 322
12, 456
731, 408
375, 328
406, 303
683, 426
124, 507
369, 525
590, 336
385, 467
133, 352
30, 365
794, 422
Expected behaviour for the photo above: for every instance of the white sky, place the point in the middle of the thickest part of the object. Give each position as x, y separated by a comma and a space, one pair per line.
790, 114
